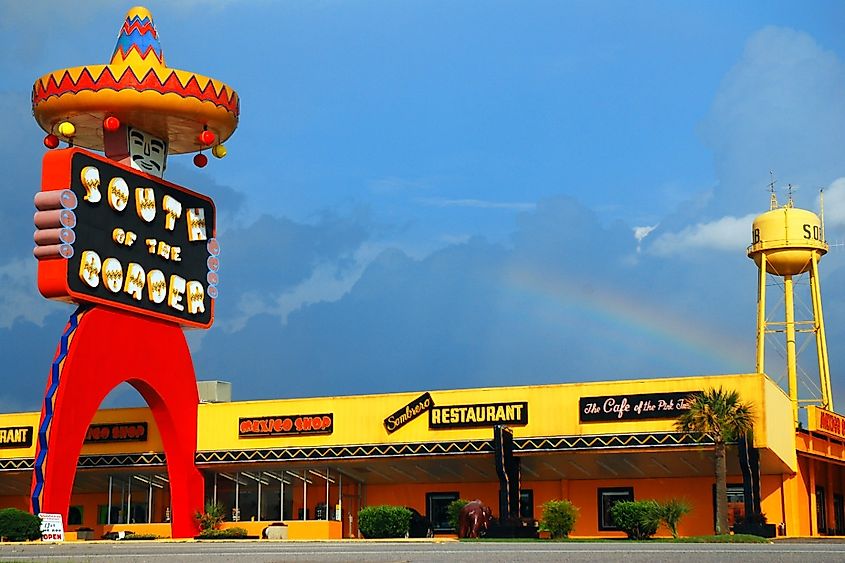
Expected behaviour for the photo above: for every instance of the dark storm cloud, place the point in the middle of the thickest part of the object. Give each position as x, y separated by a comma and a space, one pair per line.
27, 350
479, 314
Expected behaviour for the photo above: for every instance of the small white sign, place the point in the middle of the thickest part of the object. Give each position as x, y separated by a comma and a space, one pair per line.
52, 527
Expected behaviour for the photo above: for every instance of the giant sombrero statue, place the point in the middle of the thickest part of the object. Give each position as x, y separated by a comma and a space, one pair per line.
137, 253
83, 104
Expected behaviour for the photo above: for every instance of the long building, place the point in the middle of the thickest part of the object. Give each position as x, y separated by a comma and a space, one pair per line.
314, 462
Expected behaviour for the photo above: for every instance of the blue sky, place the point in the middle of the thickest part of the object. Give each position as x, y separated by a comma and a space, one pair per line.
422, 195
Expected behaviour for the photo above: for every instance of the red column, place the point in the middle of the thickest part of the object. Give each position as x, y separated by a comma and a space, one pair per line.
107, 348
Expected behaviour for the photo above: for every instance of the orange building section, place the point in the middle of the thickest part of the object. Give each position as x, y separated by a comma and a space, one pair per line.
587, 442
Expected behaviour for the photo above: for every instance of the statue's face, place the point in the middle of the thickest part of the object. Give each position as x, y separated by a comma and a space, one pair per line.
147, 153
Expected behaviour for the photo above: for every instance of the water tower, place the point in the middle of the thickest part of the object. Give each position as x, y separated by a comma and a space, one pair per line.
789, 242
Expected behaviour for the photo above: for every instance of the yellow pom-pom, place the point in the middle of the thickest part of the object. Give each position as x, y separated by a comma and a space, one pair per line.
219, 151
66, 129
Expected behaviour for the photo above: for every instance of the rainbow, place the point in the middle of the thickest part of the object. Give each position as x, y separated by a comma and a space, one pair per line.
633, 315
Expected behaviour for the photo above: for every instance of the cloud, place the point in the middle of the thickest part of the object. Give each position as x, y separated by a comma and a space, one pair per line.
27, 350
476, 203
20, 298
641, 233
834, 204
779, 108
725, 234
478, 314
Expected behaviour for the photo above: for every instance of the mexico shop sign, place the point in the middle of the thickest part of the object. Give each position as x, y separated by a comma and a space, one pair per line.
637, 406
825, 421
477, 415
285, 425
116, 432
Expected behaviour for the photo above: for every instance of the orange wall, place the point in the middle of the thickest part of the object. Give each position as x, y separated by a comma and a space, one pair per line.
584, 494
697, 491
15, 501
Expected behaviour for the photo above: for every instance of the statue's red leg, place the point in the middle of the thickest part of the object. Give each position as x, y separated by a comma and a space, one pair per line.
100, 349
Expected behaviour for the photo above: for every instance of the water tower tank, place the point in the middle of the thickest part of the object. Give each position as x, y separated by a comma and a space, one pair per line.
788, 237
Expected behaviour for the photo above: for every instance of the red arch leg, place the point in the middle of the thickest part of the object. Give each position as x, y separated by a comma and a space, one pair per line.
107, 348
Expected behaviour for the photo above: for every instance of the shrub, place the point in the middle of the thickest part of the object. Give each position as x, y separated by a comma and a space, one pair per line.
384, 521
559, 517
141, 537
454, 510
226, 533
639, 519
212, 517
18, 525
671, 513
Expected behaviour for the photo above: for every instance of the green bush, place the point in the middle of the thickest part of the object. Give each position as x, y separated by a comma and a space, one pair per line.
559, 518
140, 537
384, 521
17, 525
671, 513
454, 511
212, 517
226, 533
639, 519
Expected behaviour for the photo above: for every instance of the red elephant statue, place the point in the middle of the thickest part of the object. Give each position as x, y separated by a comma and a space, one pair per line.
474, 519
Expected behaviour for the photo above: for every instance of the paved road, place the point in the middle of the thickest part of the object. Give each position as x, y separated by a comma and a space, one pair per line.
389, 552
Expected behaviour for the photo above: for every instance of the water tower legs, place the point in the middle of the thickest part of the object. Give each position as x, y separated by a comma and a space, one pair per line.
821, 338
789, 318
761, 317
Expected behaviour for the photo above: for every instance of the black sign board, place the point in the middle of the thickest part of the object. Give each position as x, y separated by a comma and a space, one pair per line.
639, 406
149, 233
263, 426
480, 415
16, 437
408, 413
117, 432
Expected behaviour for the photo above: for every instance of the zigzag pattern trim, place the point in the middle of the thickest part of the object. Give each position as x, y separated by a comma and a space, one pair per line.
128, 80
611, 441
122, 51
366, 451
89, 461
523, 445
141, 25
140, 40
15, 464
369, 451
122, 460
41, 449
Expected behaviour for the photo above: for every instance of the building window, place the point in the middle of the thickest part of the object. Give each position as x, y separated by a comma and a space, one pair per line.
526, 504
607, 498
821, 511
103, 514
437, 507
74, 516
736, 504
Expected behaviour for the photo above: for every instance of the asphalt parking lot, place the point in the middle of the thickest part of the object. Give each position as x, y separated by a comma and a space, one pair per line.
440, 551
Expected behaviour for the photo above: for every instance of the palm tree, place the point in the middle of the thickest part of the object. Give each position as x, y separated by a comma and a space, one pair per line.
722, 415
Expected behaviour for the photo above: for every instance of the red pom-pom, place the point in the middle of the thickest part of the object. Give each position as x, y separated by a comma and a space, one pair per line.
111, 124
206, 137
200, 160
51, 141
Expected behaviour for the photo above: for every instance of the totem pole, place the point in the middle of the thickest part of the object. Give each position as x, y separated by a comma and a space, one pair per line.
135, 252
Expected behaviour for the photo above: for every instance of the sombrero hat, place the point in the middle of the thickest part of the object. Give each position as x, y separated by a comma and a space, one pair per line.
138, 89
